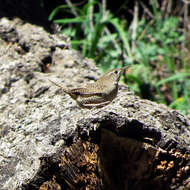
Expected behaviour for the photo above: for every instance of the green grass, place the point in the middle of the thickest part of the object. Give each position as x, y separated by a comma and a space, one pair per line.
158, 71
87, 33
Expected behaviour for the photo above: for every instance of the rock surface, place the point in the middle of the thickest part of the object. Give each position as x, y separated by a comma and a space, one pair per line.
34, 115
48, 142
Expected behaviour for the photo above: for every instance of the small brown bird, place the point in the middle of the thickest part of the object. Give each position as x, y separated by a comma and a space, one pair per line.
97, 94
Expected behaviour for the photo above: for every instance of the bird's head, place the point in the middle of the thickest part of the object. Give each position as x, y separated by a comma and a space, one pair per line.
114, 74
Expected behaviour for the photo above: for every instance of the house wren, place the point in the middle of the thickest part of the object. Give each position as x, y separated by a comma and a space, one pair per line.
97, 94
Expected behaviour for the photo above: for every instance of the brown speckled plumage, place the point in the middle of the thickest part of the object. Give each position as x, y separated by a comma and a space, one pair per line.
97, 94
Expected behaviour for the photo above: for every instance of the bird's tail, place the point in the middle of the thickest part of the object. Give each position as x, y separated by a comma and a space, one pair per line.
64, 89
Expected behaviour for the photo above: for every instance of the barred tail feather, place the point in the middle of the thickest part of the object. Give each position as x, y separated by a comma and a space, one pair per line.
56, 84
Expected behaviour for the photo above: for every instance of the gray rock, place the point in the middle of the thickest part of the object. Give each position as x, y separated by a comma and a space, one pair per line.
34, 115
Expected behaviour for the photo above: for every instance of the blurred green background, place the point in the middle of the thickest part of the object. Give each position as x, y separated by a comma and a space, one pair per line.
151, 36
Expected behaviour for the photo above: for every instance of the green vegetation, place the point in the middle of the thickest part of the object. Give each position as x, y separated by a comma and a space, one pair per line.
150, 44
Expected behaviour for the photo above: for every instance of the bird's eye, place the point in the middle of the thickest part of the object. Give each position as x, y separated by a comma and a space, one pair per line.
116, 71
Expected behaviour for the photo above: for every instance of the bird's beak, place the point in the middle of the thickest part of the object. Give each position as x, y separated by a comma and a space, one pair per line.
124, 69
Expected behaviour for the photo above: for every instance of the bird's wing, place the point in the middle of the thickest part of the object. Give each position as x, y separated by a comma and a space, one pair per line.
89, 90
86, 92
